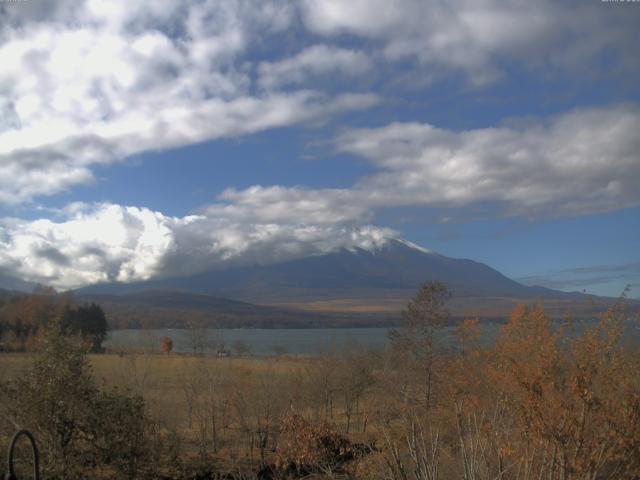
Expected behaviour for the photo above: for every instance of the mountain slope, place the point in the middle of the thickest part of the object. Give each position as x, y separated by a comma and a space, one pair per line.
178, 309
349, 286
14, 284
397, 266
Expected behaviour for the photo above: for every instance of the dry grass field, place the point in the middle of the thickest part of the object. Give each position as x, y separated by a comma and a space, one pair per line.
213, 412
536, 404
392, 305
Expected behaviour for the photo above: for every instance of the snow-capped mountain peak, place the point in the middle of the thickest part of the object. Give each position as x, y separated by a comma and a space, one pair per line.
414, 246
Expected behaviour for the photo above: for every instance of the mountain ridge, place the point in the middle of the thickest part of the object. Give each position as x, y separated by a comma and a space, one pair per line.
398, 264
345, 287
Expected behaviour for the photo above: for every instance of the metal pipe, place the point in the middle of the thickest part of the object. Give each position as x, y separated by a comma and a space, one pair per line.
11, 474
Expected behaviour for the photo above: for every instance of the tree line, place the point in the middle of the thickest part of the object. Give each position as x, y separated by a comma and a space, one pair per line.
24, 319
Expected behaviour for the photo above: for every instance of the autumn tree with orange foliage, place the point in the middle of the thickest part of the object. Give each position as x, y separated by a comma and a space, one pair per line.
26, 316
546, 401
574, 400
166, 345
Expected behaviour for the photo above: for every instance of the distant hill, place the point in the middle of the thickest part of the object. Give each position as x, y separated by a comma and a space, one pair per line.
375, 283
178, 309
14, 284
348, 287
5, 294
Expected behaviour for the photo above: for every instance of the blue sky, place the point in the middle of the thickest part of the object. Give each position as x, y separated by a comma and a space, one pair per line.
145, 142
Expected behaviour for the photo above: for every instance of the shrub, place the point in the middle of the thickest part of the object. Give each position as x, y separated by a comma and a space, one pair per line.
305, 446
76, 425
167, 345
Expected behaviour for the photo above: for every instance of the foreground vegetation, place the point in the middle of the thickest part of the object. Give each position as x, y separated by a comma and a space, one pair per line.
540, 403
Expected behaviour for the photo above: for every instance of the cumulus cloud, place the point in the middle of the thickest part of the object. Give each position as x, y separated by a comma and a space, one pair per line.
35, 161
88, 82
108, 242
94, 83
314, 62
477, 38
290, 204
580, 162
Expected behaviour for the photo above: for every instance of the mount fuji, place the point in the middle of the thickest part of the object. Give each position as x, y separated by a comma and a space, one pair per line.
356, 282
396, 265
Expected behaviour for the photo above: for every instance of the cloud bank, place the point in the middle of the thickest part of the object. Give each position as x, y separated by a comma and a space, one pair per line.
85, 82
108, 242
479, 39
580, 162
577, 163
96, 83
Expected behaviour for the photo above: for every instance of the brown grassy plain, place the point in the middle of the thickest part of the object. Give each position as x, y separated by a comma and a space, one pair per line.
538, 404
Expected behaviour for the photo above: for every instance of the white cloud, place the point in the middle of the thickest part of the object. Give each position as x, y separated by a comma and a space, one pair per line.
580, 162
317, 61
43, 160
101, 81
88, 82
289, 204
476, 38
108, 242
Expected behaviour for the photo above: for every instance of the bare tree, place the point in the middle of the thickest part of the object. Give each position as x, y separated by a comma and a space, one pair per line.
414, 340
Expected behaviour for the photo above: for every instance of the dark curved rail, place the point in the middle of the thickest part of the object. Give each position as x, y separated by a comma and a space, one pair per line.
11, 474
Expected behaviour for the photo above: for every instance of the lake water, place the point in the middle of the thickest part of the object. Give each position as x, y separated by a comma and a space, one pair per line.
254, 341
310, 341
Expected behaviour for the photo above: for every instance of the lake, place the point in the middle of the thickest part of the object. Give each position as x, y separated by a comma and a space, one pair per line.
255, 341
294, 341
